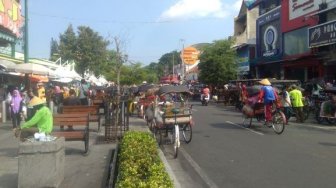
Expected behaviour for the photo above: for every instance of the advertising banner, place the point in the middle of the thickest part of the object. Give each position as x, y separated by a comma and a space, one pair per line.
269, 37
190, 55
323, 34
10, 16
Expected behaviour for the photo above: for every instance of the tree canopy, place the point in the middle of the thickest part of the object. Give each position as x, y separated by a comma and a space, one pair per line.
218, 63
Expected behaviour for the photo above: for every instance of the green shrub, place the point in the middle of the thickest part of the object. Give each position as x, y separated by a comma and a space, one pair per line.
139, 163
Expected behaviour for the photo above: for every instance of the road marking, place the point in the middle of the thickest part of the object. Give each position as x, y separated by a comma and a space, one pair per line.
256, 132
198, 169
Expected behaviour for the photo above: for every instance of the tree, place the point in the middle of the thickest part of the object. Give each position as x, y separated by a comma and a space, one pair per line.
54, 51
218, 63
166, 62
91, 51
67, 45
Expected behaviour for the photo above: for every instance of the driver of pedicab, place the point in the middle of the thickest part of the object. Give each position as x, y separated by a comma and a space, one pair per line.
269, 96
206, 91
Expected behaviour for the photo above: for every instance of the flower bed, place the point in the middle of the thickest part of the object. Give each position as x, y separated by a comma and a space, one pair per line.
139, 164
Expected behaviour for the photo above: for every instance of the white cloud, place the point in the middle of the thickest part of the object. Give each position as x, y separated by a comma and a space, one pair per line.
238, 4
191, 9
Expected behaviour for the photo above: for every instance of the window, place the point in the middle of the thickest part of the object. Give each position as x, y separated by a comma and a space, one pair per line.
296, 42
268, 5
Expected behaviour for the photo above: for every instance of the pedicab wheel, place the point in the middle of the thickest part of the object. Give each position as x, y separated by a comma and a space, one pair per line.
318, 118
187, 132
157, 133
175, 140
247, 121
279, 121
331, 121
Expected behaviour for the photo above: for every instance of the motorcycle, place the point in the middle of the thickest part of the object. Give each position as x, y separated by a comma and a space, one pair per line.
205, 99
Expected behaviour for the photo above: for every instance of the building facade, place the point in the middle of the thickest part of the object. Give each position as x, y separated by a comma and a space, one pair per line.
245, 40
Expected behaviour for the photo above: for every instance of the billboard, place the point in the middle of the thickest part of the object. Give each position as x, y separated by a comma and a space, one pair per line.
190, 55
323, 34
10, 16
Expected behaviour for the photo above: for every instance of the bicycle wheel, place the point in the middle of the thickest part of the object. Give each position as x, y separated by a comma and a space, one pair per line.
176, 140
157, 133
279, 121
187, 132
247, 121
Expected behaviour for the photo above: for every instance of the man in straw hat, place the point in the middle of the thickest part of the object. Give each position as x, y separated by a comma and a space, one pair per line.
41, 122
269, 95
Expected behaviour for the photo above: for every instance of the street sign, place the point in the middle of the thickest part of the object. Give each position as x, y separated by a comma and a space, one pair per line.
190, 55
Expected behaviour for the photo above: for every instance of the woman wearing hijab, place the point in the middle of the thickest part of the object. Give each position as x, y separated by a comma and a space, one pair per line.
16, 107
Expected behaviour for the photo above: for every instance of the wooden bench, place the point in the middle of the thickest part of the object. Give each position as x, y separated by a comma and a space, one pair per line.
92, 110
79, 123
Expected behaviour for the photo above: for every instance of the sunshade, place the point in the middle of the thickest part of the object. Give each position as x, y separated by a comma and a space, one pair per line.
173, 89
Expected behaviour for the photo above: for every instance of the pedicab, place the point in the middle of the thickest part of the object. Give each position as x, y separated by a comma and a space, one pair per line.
173, 116
327, 110
253, 109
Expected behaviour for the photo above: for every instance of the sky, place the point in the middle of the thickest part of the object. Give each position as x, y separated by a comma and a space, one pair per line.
148, 28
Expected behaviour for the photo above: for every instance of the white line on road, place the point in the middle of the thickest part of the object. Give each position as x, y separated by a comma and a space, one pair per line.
198, 169
256, 132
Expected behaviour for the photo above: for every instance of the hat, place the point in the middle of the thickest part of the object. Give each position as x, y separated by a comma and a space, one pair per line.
35, 101
265, 82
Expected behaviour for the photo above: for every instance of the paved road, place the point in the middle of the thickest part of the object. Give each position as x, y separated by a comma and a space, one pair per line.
224, 154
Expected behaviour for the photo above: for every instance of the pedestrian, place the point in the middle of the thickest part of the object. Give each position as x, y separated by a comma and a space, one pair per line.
83, 92
16, 108
41, 92
41, 122
297, 103
269, 96
286, 103
57, 98
72, 99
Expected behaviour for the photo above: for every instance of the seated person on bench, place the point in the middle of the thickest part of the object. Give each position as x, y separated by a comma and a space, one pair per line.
41, 122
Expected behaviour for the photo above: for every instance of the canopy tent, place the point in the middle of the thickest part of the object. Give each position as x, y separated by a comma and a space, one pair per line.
173, 89
30, 68
7, 64
63, 72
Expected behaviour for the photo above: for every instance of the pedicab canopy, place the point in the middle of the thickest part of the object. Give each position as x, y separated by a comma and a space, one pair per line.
330, 90
173, 89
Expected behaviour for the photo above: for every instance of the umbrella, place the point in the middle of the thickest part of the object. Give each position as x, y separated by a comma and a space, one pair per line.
145, 87
7, 64
30, 68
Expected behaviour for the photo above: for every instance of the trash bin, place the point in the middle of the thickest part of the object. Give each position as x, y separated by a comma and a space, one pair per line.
41, 164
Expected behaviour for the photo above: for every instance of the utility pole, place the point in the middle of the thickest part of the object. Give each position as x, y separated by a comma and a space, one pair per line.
173, 62
182, 62
26, 49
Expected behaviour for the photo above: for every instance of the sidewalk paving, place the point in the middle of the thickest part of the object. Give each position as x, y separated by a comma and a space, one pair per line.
80, 171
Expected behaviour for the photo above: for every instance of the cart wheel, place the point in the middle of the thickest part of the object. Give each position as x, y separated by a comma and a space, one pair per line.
279, 121
157, 133
247, 121
187, 132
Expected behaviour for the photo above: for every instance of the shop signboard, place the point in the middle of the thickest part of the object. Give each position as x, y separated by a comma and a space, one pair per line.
322, 35
10, 16
190, 55
268, 34
298, 8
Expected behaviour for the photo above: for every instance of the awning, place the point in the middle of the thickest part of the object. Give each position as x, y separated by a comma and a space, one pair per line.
7, 64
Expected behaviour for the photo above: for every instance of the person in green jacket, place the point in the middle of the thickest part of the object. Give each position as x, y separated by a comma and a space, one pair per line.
297, 103
41, 122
